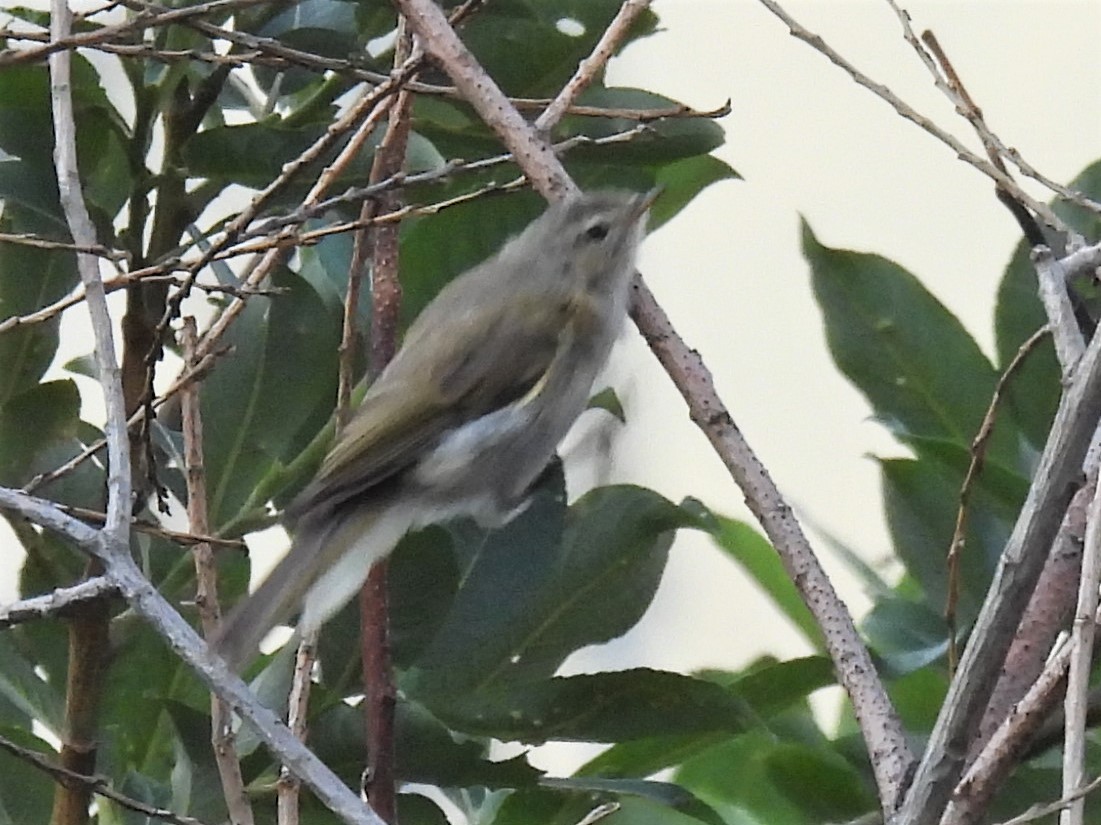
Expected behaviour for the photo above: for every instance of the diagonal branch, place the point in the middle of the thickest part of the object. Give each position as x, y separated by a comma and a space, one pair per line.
588, 69
1053, 484
883, 732
192, 650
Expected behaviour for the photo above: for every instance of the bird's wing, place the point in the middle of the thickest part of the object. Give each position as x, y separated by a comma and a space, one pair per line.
433, 386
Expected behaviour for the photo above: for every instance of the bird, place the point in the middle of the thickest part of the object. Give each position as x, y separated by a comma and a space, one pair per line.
466, 416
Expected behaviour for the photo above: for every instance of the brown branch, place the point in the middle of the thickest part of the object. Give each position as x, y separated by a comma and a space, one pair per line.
971, 797
222, 737
380, 692
1056, 478
883, 732
147, 19
1043, 619
30, 239
592, 65
97, 785
974, 468
288, 787
302, 214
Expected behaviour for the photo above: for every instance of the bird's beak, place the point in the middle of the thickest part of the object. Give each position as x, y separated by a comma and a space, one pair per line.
644, 202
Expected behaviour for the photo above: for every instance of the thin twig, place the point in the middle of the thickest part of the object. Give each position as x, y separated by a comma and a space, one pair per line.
148, 19
1078, 677
57, 602
1040, 811
194, 652
38, 242
588, 68
974, 467
302, 214
287, 788
909, 113
1052, 281
349, 69
222, 737
96, 784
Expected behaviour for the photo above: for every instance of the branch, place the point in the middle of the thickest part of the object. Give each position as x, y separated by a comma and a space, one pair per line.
882, 730
1078, 677
95, 784
80, 227
909, 113
1052, 281
222, 737
189, 648
592, 65
163, 17
1053, 484
974, 468
380, 692
58, 602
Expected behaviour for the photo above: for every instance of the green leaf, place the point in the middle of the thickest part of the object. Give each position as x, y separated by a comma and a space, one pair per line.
26, 131
665, 794
639, 811
734, 778
921, 502
598, 707
774, 687
608, 401
682, 180
436, 249
26, 793
757, 557
143, 675
197, 788
415, 809
1035, 393
85, 485
819, 783
766, 690
913, 360
664, 140
918, 697
422, 579
547, 584
21, 686
427, 752
32, 421
907, 636
521, 46
282, 374
251, 154
29, 280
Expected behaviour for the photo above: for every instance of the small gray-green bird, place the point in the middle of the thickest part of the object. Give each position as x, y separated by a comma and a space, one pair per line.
468, 413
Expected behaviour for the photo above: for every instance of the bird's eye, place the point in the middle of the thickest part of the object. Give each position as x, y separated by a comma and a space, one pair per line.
597, 232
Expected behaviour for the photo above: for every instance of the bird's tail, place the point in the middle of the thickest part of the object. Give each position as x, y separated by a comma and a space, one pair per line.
325, 567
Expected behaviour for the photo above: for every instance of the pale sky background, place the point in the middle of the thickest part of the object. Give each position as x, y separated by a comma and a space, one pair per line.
810, 142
